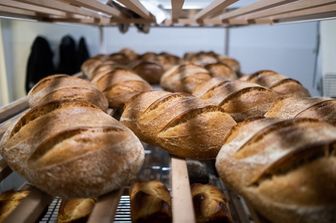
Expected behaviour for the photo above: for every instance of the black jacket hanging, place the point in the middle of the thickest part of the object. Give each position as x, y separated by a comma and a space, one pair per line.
82, 51
68, 62
40, 62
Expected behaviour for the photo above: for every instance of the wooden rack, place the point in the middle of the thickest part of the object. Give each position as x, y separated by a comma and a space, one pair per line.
217, 13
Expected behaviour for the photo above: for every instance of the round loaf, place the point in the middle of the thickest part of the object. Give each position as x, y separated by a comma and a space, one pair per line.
183, 125
64, 87
75, 210
9, 201
91, 64
149, 71
168, 60
184, 78
232, 63
221, 70
284, 168
72, 149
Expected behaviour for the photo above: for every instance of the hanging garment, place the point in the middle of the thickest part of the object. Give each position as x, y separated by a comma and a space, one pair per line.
68, 60
82, 51
40, 62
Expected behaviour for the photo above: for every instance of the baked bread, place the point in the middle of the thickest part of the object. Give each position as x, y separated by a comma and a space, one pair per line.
242, 100
9, 200
184, 78
72, 149
231, 62
150, 202
168, 60
103, 68
221, 70
202, 58
120, 85
75, 210
149, 71
91, 64
294, 107
64, 87
119, 58
183, 125
210, 204
284, 168
279, 83
130, 54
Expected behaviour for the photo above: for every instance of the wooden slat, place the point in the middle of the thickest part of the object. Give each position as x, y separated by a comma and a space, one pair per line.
214, 9
183, 210
258, 5
136, 7
98, 6
293, 6
4, 169
13, 108
177, 6
7, 11
105, 208
130, 21
59, 5
25, 6
31, 207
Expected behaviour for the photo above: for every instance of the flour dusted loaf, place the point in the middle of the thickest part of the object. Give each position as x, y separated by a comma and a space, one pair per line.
150, 202
297, 107
184, 78
119, 85
75, 210
242, 100
279, 83
181, 124
64, 87
72, 149
284, 168
210, 204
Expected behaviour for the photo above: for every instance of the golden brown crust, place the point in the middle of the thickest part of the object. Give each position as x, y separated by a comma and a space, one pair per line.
9, 201
264, 157
182, 124
149, 71
64, 87
231, 62
91, 64
43, 147
221, 70
210, 204
150, 202
75, 210
184, 78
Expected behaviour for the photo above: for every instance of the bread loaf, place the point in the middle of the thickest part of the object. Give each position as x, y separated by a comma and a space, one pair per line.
184, 78
284, 168
294, 107
119, 58
231, 62
9, 200
72, 149
279, 83
130, 54
75, 210
150, 202
210, 204
149, 71
120, 85
221, 70
91, 64
64, 87
103, 68
203, 58
168, 60
242, 100
182, 124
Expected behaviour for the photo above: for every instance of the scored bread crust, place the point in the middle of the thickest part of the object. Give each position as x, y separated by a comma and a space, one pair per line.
72, 149
184, 78
181, 124
64, 87
120, 85
149, 71
221, 70
275, 164
242, 100
73, 210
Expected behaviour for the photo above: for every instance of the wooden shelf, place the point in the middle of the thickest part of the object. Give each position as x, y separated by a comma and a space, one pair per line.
96, 13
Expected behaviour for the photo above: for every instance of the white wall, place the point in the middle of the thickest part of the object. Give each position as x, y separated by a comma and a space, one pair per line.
19, 36
328, 47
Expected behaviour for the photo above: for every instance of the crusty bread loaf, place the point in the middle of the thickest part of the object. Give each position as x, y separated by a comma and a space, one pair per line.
72, 149
149, 71
181, 124
75, 210
203, 58
168, 60
231, 62
64, 87
120, 85
150, 202
184, 78
91, 64
295, 107
221, 70
284, 168
129, 53
278, 83
119, 58
210, 204
242, 100
9, 200
103, 68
